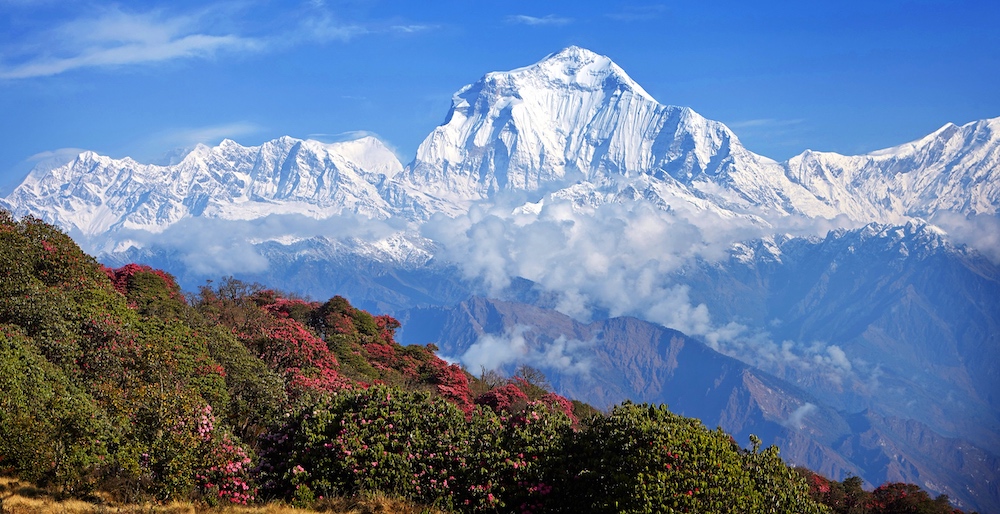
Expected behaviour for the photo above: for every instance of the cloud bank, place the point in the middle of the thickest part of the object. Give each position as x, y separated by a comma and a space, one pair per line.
212, 247
618, 258
626, 259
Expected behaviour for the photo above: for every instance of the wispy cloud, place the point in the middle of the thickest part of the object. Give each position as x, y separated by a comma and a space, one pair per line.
324, 27
117, 38
180, 141
114, 37
549, 19
322, 24
350, 135
61, 155
796, 418
775, 131
980, 231
411, 29
764, 123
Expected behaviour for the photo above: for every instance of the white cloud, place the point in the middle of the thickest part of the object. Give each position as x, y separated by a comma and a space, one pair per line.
494, 351
321, 24
512, 348
981, 231
627, 259
618, 258
324, 27
795, 419
213, 247
116, 38
55, 157
181, 140
411, 29
549, 19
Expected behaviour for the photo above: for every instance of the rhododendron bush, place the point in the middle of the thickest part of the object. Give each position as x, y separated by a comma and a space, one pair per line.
414, 445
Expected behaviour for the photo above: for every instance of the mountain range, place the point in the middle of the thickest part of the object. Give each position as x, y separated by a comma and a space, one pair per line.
572, 125
562, 217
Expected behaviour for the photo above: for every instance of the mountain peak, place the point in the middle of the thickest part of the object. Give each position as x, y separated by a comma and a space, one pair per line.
579, 67
575, 56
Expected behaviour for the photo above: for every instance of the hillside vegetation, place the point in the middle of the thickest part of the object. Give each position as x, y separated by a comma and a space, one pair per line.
119, 387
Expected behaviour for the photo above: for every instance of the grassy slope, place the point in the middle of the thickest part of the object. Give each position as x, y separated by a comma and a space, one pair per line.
18, 497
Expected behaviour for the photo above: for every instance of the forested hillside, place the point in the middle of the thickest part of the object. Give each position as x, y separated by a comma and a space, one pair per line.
115, 380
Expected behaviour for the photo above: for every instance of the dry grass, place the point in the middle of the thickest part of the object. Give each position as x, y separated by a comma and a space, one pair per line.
17, 497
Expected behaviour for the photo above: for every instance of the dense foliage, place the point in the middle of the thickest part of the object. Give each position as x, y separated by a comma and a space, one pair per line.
848, 497
113, 379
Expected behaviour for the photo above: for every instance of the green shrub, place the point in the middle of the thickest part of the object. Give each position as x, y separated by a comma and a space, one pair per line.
376, 439
645, 459
50, 431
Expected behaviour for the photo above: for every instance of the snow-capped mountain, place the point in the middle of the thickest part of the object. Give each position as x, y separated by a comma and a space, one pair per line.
575, 117
956, 168
573, 126
95, 194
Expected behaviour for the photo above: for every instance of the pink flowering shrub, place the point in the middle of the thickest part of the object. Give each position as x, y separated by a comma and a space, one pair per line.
537, 436
560, 404
225, 469
377, 439
121, 278
507, 397
452, 384
417, 446
294, 308
308, 365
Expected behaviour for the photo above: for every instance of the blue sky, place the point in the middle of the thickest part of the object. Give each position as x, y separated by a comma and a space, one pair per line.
121, 79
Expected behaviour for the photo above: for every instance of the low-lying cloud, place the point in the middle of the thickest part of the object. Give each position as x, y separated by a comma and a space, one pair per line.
617, 258
511, 348
212, 247
981, 231
627, 259
796, 418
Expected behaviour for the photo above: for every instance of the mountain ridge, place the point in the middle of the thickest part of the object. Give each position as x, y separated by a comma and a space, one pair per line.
94, 194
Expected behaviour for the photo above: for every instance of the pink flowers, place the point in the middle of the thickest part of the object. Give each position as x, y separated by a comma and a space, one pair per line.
122, 277
228, 474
